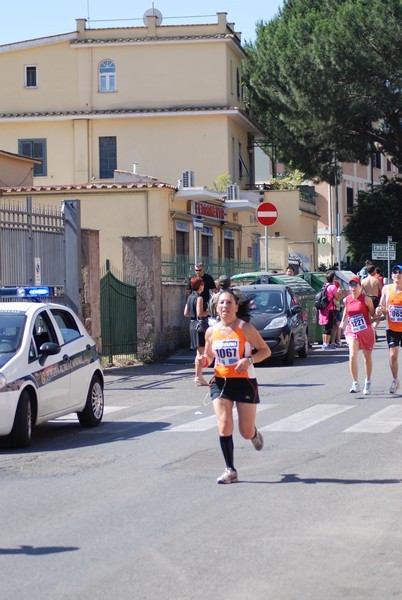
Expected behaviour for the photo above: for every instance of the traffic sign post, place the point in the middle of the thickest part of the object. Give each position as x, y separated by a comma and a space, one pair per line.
380, 251
266, 214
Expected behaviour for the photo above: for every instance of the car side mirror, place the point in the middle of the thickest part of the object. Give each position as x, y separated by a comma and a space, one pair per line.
295, 309
48, 349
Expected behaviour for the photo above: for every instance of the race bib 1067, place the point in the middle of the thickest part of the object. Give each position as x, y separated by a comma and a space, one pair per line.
226, 352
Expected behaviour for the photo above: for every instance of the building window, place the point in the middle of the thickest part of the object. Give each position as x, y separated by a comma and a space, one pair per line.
207, 242
107, 76
389, 165
35, 149
228, 249
107, 157
238, 83
240, 162
31, 76
349, 200
376, 159
182, 238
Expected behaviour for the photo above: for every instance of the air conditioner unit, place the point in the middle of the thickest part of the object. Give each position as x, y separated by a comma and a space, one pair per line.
233, 192
187, 179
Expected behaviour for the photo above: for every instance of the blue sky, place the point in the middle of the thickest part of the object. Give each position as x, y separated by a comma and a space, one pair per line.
27, 19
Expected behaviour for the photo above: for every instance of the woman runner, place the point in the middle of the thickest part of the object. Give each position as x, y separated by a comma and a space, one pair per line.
229, 342
359, 333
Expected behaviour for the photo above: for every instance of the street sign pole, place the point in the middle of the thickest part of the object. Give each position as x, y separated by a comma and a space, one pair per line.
266, 214
389, 240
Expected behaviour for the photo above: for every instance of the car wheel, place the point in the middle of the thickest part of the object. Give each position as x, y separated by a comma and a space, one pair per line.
21, 433
92, 414
304, 349
289, 357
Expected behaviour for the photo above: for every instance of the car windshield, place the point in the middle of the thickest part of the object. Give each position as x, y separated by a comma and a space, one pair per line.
11, 331
271, 301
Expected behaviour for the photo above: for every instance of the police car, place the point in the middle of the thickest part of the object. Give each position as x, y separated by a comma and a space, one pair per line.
49, 365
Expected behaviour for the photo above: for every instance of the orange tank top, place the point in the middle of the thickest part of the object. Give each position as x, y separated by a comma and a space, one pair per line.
228, 350
394, 309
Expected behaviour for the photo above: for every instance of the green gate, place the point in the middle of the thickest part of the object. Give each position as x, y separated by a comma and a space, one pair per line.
118, 304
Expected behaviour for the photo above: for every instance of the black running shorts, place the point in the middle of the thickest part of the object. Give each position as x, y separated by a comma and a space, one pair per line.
237, 389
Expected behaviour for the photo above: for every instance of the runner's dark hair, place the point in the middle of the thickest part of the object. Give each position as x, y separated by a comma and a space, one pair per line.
242, 301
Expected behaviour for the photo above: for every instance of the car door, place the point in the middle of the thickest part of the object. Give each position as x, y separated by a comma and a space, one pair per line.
296, 324
51, 372
77, 352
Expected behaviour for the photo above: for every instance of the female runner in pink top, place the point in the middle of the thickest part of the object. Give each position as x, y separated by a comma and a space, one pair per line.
359, 333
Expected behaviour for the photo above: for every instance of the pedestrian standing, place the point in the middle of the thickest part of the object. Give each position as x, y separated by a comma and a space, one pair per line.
391, 305
364, 270
359, 333
326, 316
372, 287
230, 342
379, 276
209, 283
194, 309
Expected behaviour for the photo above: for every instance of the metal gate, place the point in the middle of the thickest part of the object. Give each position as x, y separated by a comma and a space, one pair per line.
118, 303
41, 245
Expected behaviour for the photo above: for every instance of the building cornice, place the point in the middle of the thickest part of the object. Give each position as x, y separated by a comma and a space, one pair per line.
36, 42
134, 113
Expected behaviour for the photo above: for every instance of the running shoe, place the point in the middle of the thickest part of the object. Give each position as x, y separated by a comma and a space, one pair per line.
228, 476
257, 440
394, 386
367, 388
355, 388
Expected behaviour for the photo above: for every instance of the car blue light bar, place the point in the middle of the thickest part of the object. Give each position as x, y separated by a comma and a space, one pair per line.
24, 292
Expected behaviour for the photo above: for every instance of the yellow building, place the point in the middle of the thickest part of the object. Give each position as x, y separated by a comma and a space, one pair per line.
168, 98
94, 105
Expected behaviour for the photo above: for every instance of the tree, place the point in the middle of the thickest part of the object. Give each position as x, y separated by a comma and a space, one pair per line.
377, 215
325, 76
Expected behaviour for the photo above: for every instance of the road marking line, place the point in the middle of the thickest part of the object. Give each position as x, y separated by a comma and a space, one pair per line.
73, 416
384, 421
307, 418
158, 414
210, 422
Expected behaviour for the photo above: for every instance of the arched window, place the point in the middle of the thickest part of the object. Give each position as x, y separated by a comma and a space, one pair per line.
107, 76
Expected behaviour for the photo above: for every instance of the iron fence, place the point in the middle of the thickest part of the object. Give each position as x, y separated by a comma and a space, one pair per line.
182, 267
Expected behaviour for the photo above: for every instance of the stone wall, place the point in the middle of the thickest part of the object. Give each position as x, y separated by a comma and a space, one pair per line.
90, 293
161, 325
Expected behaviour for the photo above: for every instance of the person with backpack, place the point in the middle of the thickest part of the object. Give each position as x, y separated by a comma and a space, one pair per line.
326, 314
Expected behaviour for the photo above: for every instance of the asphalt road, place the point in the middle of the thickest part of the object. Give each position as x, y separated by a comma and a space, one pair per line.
131, 510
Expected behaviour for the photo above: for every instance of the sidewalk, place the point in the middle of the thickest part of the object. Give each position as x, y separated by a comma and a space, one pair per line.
183, 356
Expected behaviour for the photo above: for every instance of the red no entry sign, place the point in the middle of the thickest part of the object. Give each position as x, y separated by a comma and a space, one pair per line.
267, 214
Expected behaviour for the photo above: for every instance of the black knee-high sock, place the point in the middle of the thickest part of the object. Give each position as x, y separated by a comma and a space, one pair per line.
227, 447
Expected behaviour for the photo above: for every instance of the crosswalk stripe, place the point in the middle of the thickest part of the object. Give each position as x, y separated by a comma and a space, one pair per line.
307, 418
210, 422
159, 414
73, 416
383, 421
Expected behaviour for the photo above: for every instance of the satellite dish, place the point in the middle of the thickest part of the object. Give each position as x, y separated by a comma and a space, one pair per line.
152, 12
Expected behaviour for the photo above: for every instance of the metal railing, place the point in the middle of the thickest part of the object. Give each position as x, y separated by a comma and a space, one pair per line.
182, 267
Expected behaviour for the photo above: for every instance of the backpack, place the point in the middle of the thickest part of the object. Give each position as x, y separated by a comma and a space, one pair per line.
321, 299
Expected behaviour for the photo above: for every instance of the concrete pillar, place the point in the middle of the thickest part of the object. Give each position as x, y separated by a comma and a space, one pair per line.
142, 260
90, 269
